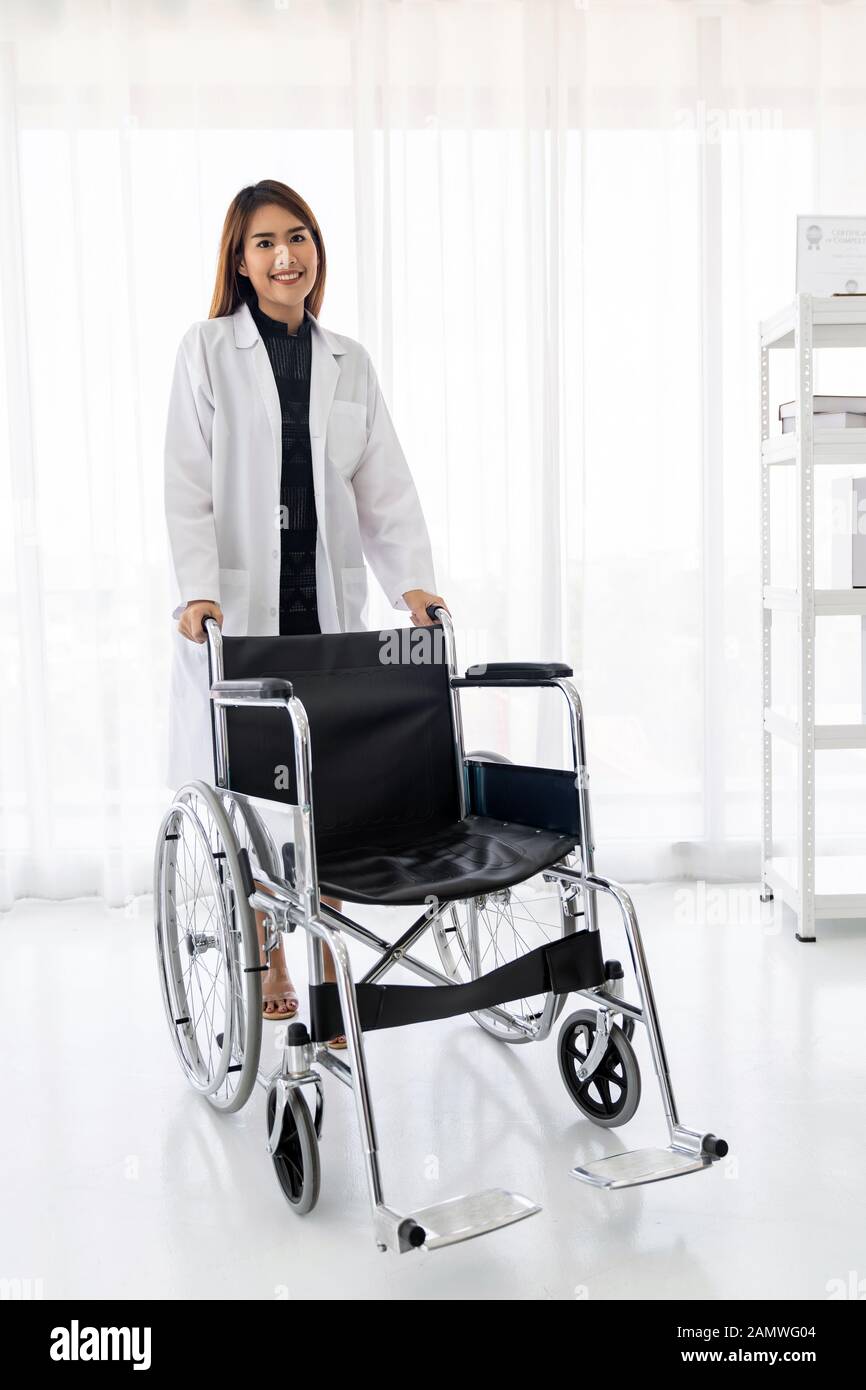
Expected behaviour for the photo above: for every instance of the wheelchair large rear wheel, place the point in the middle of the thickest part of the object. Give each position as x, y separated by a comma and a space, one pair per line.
252, 834
509, 924
207, 948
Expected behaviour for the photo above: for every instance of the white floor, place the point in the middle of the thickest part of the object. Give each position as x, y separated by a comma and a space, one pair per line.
118, 1181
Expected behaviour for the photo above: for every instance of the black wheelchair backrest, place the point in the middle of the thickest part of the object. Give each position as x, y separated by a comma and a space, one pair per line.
381, 729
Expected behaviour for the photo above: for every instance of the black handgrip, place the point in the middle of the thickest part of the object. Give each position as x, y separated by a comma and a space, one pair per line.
412, 1233
431, 610
247, 880
716, 1148
289, 863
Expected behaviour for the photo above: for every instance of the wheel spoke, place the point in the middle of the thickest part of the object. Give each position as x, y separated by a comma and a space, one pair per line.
609, 1078
510, 924
603, 1090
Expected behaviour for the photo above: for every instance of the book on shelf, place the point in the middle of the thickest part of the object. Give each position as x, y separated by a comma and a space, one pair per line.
844, 420
827, 405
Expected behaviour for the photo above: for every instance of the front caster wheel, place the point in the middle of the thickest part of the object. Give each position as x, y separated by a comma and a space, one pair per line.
296, 1155
611, 1094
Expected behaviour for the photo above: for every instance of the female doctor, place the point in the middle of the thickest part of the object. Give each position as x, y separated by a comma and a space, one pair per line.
282, 472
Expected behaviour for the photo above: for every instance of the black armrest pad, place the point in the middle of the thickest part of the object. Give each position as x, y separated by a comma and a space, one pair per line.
268, 689
519, 671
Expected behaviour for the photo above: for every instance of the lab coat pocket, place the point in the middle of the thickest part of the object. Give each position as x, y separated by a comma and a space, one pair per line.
346, 435
235, 595
354, 599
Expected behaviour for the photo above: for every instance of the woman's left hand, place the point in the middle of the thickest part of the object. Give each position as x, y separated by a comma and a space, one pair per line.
418, 600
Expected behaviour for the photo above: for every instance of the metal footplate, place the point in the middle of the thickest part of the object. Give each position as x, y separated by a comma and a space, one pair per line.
687, 1153
461, 1218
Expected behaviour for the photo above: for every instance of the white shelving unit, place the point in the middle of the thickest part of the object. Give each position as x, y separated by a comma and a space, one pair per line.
827, 885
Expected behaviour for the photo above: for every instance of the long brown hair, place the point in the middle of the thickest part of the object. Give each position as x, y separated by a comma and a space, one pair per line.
232, 289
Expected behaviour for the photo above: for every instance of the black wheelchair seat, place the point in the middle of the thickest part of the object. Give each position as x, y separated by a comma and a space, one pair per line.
476, 855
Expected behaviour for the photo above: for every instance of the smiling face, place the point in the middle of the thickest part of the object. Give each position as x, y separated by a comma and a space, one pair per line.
281, 262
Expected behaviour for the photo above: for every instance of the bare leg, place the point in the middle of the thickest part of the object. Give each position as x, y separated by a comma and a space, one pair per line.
280, 999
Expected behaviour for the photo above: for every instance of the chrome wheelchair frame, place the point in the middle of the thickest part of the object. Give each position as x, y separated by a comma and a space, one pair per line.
289, 904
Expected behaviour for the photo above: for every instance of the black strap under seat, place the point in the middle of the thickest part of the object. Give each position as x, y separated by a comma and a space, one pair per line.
573, 962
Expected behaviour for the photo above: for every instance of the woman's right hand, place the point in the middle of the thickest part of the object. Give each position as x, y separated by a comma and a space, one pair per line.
193, 616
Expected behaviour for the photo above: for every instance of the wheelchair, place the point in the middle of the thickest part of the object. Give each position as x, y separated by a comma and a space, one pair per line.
356, 740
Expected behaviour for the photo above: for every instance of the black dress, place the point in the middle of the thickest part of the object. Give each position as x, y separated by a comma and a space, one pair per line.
291, 359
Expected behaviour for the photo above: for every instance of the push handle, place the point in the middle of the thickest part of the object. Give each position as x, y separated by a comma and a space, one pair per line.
432, 609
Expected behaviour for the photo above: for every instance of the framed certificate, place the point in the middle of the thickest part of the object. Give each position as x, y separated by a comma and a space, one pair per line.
831, 255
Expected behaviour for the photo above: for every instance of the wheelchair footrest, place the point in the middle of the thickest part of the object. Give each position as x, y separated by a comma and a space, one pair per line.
638, 1166
461, 1218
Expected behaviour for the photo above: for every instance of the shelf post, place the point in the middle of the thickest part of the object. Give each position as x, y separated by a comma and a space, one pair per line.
767, 632
803, 354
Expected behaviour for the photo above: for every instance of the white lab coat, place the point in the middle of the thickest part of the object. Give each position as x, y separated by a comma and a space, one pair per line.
223, 457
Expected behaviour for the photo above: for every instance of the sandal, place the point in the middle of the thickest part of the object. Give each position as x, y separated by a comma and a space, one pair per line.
283, 996
339, 1042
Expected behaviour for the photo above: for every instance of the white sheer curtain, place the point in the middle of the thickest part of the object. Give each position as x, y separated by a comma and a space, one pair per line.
554, 225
